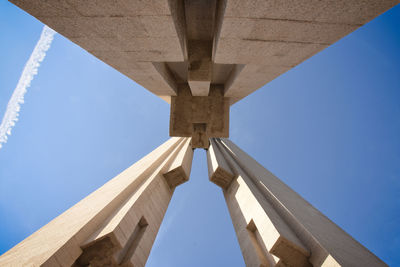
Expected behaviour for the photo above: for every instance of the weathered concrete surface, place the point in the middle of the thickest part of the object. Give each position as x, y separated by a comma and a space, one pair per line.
128, 35
219, 171
117, 224
200, 117
274, 225
268, 36
271, 37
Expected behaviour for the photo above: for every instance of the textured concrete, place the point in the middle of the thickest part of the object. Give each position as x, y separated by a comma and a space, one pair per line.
274, 225
239, 45
117, 224
200, 117
271, 37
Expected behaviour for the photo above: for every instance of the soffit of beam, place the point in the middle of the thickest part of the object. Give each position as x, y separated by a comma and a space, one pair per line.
129, 35
200, 19
271, 37
258, 40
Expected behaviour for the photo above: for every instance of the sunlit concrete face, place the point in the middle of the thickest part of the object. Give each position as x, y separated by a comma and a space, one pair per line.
274, 225
237, 45
117, 224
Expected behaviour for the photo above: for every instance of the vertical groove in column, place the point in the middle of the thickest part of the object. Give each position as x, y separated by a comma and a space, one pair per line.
328, 243
282, 241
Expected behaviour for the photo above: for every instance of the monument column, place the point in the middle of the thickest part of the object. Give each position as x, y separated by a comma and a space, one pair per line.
274, 225
117, 224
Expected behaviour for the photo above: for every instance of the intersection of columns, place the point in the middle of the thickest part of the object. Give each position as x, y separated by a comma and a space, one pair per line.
117, 224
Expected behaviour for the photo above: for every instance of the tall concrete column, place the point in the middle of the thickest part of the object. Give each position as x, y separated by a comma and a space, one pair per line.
117, 224
274, 225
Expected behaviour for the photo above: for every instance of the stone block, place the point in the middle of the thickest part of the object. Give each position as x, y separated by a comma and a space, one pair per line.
218, 169
199, 136
339, 11
284, 30
179, 169
199, 87
238, 51
42, 8
207, 116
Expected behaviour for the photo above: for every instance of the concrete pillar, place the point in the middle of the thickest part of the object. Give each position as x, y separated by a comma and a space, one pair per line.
274, 225
117, 224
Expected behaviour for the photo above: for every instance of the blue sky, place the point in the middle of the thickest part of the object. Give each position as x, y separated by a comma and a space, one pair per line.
329, 128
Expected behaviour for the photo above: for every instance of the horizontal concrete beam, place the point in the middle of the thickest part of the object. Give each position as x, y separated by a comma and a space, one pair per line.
270, 37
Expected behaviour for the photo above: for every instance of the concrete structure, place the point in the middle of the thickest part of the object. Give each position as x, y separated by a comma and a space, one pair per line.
236, 45
117, 224
274, 225
201, 56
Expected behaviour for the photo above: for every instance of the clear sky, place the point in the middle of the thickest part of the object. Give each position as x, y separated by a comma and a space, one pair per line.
329, 128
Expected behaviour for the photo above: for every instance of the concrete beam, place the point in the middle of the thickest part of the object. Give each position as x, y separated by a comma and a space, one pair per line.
264, 38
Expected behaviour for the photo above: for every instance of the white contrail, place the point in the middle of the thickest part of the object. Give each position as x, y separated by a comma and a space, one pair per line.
30, 70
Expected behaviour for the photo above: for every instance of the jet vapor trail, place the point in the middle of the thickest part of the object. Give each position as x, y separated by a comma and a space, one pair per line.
30, 70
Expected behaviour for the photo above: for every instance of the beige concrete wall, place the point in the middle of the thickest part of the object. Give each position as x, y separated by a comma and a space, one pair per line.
117, 224
274, 225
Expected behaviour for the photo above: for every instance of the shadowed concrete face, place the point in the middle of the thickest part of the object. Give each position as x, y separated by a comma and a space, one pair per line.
117, 224
199, 44
200, 117
274, 225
